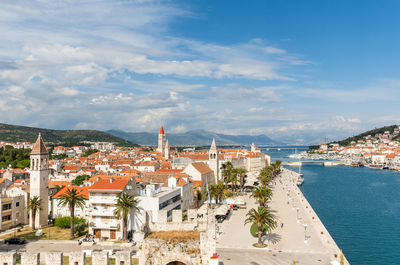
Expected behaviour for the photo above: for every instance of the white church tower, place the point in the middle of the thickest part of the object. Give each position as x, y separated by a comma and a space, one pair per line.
161, 141
166, 151
39, 181
213, 161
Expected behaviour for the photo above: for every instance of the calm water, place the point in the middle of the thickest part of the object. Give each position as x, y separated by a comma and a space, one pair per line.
360, 207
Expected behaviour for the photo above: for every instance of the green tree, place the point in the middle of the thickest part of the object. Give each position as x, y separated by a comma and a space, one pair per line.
125, 204
33, 207
264, 220
80, 179
242, 176
72, 198
227, 171
89, 152
262, 194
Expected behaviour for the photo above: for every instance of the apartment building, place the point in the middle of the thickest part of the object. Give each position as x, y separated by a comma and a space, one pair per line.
102, 201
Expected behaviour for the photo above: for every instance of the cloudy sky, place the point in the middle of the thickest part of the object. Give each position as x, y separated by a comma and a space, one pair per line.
297, 71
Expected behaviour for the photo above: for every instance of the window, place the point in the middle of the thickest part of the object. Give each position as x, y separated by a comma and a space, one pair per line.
6, 218
17, 204
6, 206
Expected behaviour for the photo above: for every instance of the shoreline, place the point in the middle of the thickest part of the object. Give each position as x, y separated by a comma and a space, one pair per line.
289, 179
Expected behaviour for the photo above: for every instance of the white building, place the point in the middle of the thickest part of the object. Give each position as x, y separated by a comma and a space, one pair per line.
60, 211
200, 173
102, 201
152, 197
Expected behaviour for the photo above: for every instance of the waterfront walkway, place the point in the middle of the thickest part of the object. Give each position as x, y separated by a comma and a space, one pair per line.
302, 237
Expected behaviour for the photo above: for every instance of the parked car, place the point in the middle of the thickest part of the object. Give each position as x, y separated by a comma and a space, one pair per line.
14, 241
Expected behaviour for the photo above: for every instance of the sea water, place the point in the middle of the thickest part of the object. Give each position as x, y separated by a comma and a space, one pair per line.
360, 207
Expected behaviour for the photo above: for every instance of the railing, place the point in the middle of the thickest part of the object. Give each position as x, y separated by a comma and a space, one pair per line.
103, 200
101, 212
112, 225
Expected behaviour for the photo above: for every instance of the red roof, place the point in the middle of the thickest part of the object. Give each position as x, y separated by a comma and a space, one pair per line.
109, 185
81, 190
162, 130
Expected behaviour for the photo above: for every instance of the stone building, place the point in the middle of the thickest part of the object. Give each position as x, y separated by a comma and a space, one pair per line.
39, 181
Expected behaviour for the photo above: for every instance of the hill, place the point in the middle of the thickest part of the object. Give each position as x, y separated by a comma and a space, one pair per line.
194, 138
347, 141
14, 133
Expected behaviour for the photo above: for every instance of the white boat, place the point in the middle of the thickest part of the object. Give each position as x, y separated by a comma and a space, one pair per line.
300, 181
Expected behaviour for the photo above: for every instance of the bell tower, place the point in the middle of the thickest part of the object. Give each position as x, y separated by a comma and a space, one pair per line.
213, 161
39, 181
161, 141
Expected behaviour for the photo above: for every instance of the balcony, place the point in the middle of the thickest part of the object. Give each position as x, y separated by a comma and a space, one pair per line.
102, 200
111, 225
102, 212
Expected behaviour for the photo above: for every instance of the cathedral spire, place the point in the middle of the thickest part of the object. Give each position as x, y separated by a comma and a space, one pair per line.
162, 130
213, 145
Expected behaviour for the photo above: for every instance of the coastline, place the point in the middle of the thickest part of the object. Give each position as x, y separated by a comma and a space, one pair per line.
311, 219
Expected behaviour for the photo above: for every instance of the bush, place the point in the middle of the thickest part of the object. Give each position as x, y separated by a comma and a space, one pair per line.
64, 222
80, 229
228, 194
254, 230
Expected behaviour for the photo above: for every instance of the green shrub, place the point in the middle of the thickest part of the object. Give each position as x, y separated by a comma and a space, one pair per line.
80, 229
254, 230
228, 194
64, 222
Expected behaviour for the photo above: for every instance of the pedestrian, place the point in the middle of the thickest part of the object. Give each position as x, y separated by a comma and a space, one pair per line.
282, 225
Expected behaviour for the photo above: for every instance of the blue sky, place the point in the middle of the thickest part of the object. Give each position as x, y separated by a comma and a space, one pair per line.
297, 71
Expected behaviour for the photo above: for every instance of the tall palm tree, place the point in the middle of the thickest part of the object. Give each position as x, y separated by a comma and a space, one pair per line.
233, 179
264, 220
262, 194
242, 174
220, 191
125, 204
72, 198
33, 207
227, 171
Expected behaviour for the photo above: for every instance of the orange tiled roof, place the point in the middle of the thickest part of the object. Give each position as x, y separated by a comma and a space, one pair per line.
202, 168
106, 185
81, 190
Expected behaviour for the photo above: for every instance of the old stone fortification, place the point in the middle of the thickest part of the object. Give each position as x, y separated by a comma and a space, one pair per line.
191, 252
56, 258
153, 251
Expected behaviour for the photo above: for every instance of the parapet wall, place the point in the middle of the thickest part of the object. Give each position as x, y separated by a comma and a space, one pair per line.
56, 258
195, 221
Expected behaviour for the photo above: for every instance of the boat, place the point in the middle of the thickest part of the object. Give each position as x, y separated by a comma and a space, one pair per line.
300, 181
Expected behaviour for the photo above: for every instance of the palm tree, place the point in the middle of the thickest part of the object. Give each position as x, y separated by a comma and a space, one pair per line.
264, 220
72, 198
242, 174
125, 203
262, 194
33, 207
227, 171
233, 179
220, 191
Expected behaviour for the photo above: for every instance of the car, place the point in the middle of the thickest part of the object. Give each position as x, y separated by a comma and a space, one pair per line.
14, 241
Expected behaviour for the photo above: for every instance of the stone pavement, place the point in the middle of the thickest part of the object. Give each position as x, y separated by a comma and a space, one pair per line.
299, 238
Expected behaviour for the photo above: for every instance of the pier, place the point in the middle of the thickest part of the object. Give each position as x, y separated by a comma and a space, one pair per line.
323, 162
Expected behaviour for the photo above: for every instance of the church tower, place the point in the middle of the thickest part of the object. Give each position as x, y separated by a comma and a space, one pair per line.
166, 151
213, 161
161, 141
39, 181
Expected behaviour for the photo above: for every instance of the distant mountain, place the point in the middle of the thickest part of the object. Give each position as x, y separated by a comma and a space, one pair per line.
194, 137
14, 133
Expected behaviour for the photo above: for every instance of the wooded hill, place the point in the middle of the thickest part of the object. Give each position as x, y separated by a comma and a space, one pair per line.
15, 133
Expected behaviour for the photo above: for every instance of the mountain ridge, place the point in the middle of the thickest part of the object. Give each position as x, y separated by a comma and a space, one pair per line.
195, 137
17, 133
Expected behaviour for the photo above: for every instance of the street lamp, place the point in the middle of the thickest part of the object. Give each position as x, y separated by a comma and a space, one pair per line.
305, 233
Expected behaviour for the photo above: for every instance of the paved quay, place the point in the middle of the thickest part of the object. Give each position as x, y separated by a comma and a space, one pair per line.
299, 235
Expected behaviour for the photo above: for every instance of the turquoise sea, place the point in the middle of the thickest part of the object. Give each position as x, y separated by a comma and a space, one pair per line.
360, 207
